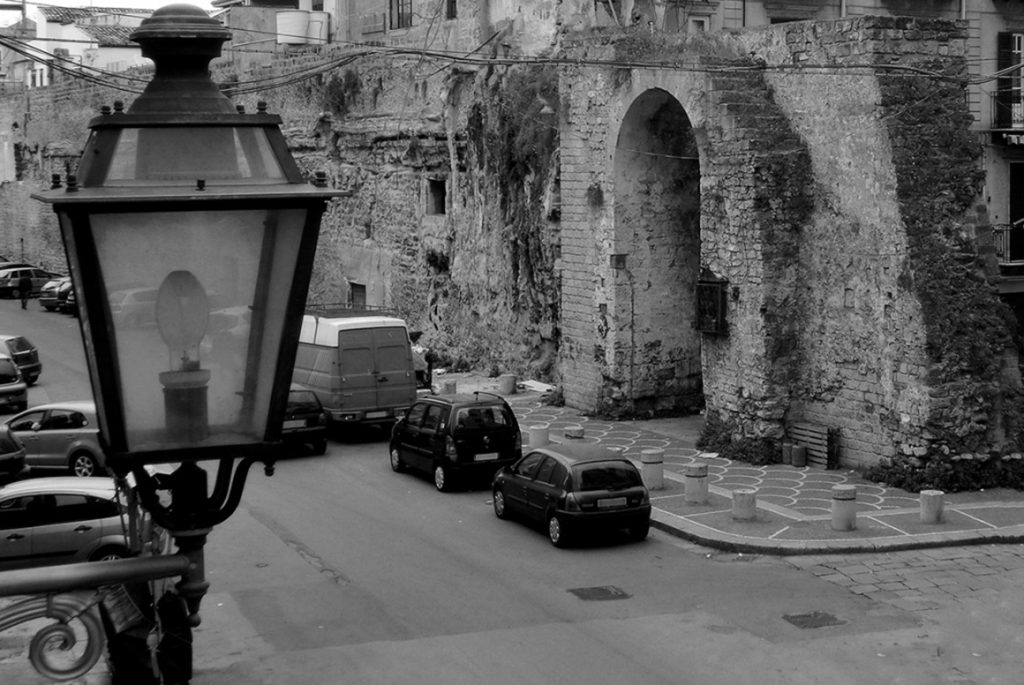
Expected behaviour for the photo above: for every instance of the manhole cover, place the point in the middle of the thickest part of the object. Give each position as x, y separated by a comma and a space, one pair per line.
815, 619
595, 594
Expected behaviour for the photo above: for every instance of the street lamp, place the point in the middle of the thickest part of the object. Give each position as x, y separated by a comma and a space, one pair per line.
184, 205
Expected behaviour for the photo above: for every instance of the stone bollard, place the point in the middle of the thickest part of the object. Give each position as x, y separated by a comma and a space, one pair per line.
844, 507
799, 455
695, 483
540, 435
573, 432
931, 506
744, 504
507, 384
448, 388
653, 468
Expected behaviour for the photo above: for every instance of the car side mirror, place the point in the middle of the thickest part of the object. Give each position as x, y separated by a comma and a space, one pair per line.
36, 426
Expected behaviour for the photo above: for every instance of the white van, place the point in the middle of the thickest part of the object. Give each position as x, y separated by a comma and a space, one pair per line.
360, 367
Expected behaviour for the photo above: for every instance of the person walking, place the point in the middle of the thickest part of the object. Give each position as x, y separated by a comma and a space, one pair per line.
25, 288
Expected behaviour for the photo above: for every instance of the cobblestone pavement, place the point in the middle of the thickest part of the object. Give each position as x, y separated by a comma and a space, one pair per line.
919, 580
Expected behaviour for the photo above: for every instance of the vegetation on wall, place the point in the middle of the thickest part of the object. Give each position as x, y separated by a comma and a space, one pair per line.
721, 436
968, 328
511, 146
958, 474
336, 92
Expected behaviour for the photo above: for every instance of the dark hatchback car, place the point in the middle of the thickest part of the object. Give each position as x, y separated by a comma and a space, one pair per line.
12, 453
456, 437
305, 423
573, 488
24, 354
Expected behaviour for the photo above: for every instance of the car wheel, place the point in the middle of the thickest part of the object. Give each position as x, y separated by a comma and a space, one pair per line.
32, 380
109, 554
499, 505
84, 464
396, 461
442, 478
640, 531
320, 447
557, 532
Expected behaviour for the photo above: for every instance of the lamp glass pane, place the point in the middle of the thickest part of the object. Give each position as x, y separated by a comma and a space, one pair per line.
173, 156
196, 350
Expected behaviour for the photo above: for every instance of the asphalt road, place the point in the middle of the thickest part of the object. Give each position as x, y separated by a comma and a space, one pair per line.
336, 570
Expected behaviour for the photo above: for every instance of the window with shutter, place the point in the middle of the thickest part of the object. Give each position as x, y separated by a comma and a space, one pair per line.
401, 14
1009, 106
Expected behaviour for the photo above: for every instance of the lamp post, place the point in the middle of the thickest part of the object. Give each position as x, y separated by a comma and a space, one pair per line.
182, 205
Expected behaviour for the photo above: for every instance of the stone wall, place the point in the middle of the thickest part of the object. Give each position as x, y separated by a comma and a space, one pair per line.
840, 225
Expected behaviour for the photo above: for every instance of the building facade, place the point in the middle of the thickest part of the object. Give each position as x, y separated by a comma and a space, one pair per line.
779, 212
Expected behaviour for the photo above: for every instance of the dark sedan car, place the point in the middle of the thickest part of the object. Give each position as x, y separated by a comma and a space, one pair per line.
456, 437
571, 488
305, 423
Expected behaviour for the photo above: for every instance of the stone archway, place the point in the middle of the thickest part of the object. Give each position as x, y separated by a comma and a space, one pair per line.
656, 365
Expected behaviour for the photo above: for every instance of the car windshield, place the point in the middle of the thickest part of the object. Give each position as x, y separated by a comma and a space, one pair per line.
605, 475
8, 371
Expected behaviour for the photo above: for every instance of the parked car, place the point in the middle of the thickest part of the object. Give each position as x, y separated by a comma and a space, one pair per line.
46, 521
24, 354
360, 367
49, 294
456, 437
133, 307
12, 453
68, 301
10, 279
571, 488
305, 423
13, 390
61, 435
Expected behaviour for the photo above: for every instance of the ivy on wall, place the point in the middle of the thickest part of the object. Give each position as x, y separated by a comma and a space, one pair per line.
511, 148
967, 327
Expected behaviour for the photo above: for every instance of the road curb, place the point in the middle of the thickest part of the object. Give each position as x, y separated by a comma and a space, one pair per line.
731, 542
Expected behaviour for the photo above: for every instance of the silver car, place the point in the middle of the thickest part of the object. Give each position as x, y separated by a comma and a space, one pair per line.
46, 521
61, 435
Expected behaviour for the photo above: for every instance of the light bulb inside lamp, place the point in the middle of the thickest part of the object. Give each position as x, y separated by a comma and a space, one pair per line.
182, 316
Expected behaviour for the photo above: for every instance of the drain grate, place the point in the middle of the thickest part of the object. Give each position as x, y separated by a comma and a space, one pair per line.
815, 619
600, 593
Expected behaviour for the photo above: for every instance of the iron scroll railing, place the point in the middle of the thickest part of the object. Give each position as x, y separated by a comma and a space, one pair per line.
72, 593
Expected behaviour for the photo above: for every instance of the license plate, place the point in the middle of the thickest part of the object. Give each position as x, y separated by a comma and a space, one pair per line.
611, 502
376, 414
295, 423
486, 456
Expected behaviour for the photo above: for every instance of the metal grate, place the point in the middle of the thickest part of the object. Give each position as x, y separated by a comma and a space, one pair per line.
815, 619
600, 593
